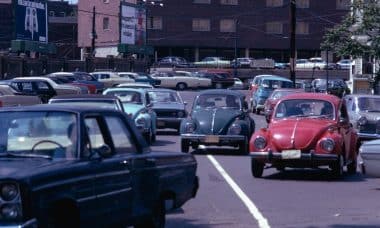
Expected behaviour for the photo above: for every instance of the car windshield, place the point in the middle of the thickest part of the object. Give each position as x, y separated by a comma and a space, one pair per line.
368, 104
274, 84
38, 134
164, 97
217, 101
99, 104
127, 96
305, 108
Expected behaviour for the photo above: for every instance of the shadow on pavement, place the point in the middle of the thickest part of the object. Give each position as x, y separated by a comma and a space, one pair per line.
217, 151
185, 223
313, 175
167, 132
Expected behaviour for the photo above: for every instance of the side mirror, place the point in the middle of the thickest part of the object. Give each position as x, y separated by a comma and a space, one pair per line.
104, 151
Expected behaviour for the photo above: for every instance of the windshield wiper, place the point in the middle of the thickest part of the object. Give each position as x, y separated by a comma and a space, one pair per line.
23, 155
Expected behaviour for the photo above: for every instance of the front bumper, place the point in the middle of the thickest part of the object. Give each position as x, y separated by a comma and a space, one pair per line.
368, 136
218, 140
28, 224
308, 159
166, 122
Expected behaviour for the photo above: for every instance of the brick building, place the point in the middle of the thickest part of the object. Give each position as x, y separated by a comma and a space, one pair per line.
198, 28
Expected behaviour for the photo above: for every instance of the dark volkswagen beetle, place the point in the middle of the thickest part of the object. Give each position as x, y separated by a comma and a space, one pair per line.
219, 117
64, 166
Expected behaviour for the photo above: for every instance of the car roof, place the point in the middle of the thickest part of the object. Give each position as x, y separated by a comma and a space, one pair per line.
362, 95
289, 89
126, 89
279, 78
85, 96
316, 96
56, 107
160, 90
224, 91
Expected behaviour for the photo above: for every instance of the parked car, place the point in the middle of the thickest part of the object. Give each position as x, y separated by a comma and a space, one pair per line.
238, 84
282, 66
311, 64
110, 79
174, 61
304, 84
171, 80
364, 113
220, 78
306, 130
344, 64
256, 81
81, 77
169, 107
69, 166
265, 87
137, 105
336, 87
274, 97
135, 85
85, 88
369, 152
90, 100
141, 78
242, 62
219, 118
10, 97
203, 83
43, 87
213, 62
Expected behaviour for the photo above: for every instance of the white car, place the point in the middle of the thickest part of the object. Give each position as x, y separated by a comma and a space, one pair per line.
311, 64
202, 82
344, 64
172, 80
59, 89
110, 79
10, 97
213, 62
136, 85
238, 84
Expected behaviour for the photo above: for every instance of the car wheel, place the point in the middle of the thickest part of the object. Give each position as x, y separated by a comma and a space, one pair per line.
351, 168
185, 146
243, 148
181, 86
157, 219
337, 167
218, 86
257, 168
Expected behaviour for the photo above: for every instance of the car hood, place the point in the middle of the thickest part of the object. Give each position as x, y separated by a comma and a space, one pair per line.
214, 121
132, 109
298, 133
168, 106
23, 168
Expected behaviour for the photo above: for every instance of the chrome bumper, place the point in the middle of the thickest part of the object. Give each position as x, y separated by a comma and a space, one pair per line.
167, 122
213, 139
28, 224
368, 136
277, 156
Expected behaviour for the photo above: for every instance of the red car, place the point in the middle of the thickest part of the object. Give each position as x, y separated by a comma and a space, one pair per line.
275, 96
306, 130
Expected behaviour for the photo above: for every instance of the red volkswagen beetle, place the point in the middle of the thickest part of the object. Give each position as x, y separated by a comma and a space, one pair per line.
307, 130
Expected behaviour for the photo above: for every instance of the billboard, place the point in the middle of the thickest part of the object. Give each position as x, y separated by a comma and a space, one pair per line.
31, 20
132, 25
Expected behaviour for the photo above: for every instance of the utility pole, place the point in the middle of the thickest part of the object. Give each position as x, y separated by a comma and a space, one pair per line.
327, 70
236, 42
93, 33
292, 59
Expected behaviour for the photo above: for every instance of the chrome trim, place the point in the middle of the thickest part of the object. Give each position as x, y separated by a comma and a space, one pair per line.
29, 223
80, 200
304, 156
368, 135
213, 120
221, 137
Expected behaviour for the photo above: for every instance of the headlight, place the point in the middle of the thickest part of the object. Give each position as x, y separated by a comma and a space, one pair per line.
181, 114
10, 211
190, 127
235, 129
260, 142
140, 121
328, 144
9, 192
362, 120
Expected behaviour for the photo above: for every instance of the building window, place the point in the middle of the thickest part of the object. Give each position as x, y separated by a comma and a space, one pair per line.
273, 27
343, 4
302, 28
51, 13
155, 23
227, 25
106, 23
274, 3
202, 25
202, 1
303, 4
229, 2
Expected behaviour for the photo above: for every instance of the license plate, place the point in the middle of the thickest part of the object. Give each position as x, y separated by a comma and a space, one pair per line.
212, 139
291, 154
160, 123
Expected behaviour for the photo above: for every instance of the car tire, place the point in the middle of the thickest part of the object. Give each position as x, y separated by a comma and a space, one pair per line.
157, 219
243, 148
148, 137
185, 146
257, 168
351, 168
337, 168
181, 86
154, 137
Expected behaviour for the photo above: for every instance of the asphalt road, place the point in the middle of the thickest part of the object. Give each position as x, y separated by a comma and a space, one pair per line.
230, 197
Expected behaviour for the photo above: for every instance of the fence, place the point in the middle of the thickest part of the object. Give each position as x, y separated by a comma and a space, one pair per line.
15, 66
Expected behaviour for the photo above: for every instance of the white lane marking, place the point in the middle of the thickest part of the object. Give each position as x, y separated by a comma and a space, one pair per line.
263, 222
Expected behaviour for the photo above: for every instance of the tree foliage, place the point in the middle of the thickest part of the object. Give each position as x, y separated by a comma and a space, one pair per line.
359, 32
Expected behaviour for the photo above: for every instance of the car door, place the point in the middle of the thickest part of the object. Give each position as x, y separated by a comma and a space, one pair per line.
113, 181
